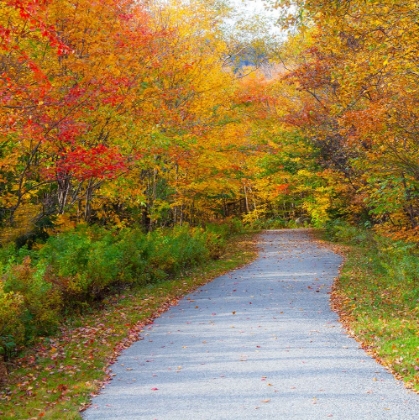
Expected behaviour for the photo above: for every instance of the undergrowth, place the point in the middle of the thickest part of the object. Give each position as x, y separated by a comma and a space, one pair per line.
77, 269
57, 375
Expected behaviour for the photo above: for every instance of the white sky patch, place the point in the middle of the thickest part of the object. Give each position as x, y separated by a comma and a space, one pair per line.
250, 8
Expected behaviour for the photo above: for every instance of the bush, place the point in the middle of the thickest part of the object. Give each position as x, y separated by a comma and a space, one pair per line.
66, 257
341, 231
273, 224
400, 261
41, 301
378, 291
214, 238
8, 255
75, 268
103, 267
135, 249
12, 330
172, 251
235, 225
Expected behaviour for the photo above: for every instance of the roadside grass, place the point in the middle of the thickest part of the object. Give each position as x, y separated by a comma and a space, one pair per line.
377, 298
56, 378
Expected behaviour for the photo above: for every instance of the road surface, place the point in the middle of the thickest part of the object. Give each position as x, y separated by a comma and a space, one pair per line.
258, 343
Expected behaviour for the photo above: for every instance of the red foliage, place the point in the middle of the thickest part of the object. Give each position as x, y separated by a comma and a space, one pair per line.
99, 162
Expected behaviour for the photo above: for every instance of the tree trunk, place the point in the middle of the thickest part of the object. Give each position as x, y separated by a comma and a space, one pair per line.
246, 200
3, 371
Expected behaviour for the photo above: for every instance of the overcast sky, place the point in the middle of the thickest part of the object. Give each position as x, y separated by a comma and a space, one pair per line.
251, 7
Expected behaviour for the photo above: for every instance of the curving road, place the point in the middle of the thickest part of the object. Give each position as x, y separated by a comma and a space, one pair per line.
258, 343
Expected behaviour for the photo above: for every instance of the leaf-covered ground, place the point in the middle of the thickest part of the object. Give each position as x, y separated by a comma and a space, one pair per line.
57, 377
379, 309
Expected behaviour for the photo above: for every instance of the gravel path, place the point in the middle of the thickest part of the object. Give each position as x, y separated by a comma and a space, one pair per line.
257, 343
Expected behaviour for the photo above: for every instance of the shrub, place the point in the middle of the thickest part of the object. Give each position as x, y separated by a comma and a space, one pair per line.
8, 255
341, 231
394, 261
134, 248
41, 301
67, 253
12, 330
103, 267
399, 259
66, 257
235, 225
172, 251
214, 238
78, 267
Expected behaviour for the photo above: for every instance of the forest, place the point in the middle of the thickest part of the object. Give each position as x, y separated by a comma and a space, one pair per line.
136, 136
119, 113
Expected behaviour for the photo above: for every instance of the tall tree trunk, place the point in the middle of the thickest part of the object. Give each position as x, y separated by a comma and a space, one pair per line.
64, 185
246, 200
409, 209
90, 189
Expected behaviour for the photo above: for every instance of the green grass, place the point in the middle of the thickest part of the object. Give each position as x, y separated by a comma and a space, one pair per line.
377, 297
58, 376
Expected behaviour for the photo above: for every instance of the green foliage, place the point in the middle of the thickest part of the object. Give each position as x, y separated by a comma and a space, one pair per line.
278, 223
7, 254
11, 326
214, 238
378, 295
134, 248
341, 231
400, 261
259, 224
88, 262
77, 356
234, 225
103, 266
7, 346
42, 302
66, 256
171, 253
76, 268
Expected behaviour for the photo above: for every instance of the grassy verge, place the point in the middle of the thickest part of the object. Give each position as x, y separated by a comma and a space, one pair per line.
377, 298
56, 378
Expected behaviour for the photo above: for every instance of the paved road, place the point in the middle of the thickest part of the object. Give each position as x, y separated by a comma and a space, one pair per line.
258, 343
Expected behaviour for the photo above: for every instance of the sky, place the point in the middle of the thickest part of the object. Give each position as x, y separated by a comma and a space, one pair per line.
251, 7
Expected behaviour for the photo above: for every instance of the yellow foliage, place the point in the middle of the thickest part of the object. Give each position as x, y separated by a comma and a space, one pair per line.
11, 307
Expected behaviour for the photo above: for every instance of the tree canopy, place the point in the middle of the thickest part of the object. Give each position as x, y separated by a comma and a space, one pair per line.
121, 112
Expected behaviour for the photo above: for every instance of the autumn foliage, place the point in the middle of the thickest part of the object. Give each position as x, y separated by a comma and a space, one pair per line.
121, 113
141, 115
117, 119
136, 136
353, 71
115, 112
